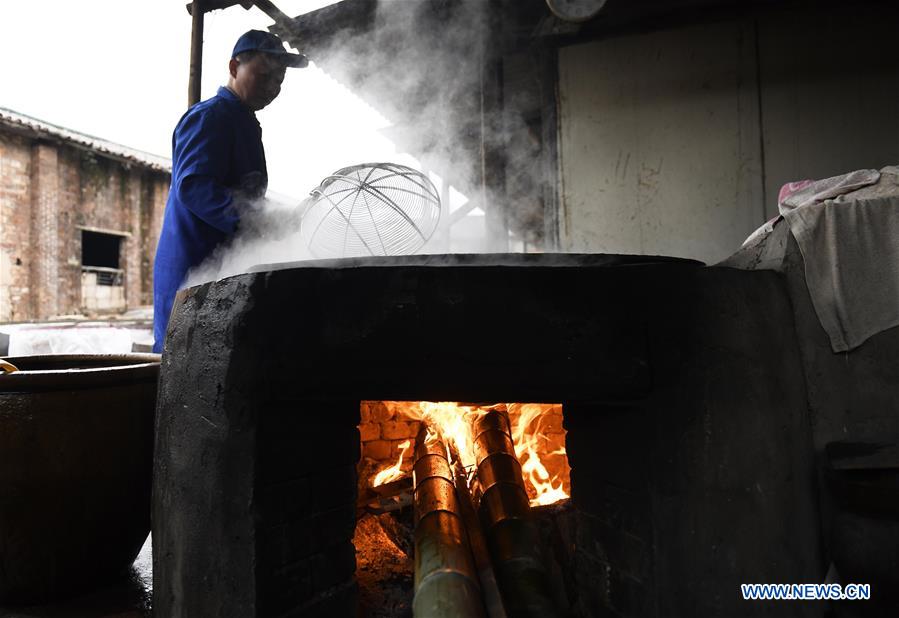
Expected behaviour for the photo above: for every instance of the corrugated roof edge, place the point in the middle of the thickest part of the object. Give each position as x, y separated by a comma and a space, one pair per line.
15, 120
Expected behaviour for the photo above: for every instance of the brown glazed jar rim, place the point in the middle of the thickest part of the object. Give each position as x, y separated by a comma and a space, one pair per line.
66, 374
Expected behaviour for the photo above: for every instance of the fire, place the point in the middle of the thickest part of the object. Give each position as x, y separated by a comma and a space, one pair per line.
393, 472
527, 434
454, 423
533, 448
536, 473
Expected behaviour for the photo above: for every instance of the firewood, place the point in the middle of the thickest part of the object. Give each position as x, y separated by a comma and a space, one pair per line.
446, 583
512, 537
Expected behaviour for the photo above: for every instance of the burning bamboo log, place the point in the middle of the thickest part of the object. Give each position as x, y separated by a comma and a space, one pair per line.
511, 534
489, 588
445, 578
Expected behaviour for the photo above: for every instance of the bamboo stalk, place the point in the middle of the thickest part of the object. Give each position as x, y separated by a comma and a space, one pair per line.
445, 579
490, 589
511, 533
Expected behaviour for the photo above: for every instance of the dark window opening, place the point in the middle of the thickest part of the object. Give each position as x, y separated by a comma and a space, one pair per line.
99, 249
100, 254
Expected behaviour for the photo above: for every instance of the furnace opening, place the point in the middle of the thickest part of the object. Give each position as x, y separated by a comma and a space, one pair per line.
452, 478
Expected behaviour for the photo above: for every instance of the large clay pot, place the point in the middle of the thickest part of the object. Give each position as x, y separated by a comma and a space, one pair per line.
76, 459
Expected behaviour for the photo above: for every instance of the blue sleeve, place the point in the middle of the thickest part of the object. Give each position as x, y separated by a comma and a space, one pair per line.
203, 143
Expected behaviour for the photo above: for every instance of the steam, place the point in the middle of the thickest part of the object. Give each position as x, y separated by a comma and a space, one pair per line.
420, 65
269, 232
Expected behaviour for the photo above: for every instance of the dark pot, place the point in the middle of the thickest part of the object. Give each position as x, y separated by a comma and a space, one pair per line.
76, 458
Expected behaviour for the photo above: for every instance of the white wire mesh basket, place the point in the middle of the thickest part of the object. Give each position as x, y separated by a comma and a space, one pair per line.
371, 209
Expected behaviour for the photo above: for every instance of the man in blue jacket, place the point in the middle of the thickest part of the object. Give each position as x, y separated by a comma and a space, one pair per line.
218, 166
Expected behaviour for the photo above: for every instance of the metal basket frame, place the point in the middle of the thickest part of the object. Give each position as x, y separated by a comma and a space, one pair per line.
428, 192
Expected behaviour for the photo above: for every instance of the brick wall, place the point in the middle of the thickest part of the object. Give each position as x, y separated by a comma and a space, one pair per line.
44, 250
68, 206
15, 228
48, 189
153, 198
131, 258
383, 428
305, 491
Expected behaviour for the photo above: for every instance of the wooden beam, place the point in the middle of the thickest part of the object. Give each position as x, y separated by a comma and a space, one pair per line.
278, 16
196, 54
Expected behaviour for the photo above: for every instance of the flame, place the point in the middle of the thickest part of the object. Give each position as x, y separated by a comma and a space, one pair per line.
527, 435
393, 472
453, 422
536, 473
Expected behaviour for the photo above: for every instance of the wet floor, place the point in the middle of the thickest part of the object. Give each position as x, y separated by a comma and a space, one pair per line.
130, 597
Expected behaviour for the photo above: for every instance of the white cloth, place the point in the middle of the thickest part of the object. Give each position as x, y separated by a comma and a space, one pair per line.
850, 246
795, 195
814, 191
32, 340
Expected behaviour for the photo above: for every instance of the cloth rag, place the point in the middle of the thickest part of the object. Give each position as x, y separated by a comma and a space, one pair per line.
847, 229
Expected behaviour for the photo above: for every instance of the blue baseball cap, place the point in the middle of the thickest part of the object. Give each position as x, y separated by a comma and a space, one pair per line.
268, 43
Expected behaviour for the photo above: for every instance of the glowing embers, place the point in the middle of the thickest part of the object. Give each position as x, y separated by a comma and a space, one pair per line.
536, 435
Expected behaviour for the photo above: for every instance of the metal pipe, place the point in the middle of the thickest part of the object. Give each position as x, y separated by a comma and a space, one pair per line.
505, 512
446, 583
196, 52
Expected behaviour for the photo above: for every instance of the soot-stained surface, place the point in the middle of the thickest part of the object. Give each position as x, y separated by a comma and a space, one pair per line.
666, 372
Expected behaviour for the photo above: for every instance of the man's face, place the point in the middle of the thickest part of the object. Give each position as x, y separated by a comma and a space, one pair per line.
257, 81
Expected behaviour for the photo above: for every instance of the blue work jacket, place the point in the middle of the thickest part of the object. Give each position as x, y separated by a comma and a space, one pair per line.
218, 166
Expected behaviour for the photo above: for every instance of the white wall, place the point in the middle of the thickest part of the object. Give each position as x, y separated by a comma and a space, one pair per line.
668, 145
830, 94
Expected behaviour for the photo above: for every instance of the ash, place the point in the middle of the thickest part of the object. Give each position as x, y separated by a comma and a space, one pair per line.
384, 564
